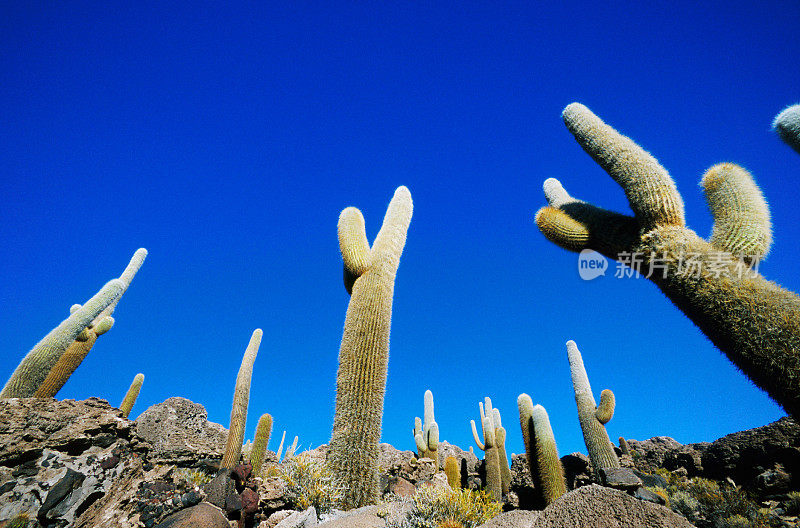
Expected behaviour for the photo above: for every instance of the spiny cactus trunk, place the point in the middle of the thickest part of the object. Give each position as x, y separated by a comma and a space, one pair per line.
241, 397
494, 478
263, 431
540, 449
130, 397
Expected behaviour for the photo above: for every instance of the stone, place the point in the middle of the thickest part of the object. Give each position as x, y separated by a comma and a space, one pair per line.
577, 470
204, 515
620, 478
513, 519
275, 518
300, 519
651, 481
180, 433
366, 517
649, 496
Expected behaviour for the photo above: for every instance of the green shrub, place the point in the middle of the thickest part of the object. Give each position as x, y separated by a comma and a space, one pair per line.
20, 521
309, 482
437, 507
191, 477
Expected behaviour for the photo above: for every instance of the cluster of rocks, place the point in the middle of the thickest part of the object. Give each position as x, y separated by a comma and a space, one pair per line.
68, 463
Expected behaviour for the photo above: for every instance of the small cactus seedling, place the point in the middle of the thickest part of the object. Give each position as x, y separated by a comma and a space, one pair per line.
491, 456
130, 397
263, 430
540, 449
426, 435
364, 353
241, 397
753, 321
453, 472
591, 416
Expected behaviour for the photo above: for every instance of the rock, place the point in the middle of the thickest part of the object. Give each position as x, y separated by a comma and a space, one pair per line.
180, 433
303, 519
523, 492
221, 490
651, 481
620, 478
600, 507
366, 517
275, 518
400, 487
577, 470
467, 461
513, 519
272, 494
650, 454
773, 481
649, 496
204, 515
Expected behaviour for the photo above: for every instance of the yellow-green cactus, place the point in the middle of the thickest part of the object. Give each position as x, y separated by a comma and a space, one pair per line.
755, 322
130, 397
35, 366
623, 446
591, 416
540, 449
364, 352
787, 125
426, 435
500, 438
453, 472
77, 351
263, 430
491, 454
241, 397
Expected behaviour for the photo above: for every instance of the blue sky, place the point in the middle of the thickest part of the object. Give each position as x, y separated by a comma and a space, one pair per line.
227, 139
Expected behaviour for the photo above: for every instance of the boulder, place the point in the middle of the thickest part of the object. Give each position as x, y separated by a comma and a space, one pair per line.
204, 515
180, 433
300, 519
513, 519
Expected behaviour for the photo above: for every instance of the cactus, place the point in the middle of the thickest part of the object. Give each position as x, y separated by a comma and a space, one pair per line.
491, 456
130, 397
77, 351
364, 352
500, 438
426, 435
753, 321
540, 449
623, 446
35, 366
260, 442
290, 450
241, 396
453, 472
787, 125
591, 416
280, 447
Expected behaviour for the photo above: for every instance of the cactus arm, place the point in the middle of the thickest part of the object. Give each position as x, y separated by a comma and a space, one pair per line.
263, 431
480, 444
353, 245
502, 459
605, 411
363, 361
241, 397
753, 321
130, 397
742, 224
35, 366
127, 276
428, 399
787, 125
594, 433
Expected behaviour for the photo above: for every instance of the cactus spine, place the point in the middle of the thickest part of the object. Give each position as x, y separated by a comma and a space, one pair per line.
591, 416
491, 457
35, 366
130, 397
540, 449
453, 472
263, 430
364, 352
241, 397
426, 435
787, 125
753, 321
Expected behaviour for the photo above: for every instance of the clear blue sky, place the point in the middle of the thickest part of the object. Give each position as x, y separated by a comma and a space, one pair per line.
226, 140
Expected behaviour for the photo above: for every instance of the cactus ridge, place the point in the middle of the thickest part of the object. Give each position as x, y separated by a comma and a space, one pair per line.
130, 397
369, 275
540, 449
753, 321
241, 397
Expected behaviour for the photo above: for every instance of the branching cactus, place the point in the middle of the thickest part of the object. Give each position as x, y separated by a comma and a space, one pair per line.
787, 125
426, 435
540, 449
491, 456
591, 416
241, 397
33, 369
755, 322
364, 352
130, 397
80, 348
263, 430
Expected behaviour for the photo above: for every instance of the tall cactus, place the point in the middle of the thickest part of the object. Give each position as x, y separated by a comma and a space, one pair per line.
540, 449
453, 472
364, 352
34, 367
426, 435
279, 452
491, 455
241, 397
500, 438
591, 416
74, 355
787, 125
755, 322
130, 397
263, 430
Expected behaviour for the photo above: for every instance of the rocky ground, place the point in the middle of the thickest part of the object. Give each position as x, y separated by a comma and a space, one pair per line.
79, 463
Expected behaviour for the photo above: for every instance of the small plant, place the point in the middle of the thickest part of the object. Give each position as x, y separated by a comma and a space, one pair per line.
191, 477
436, 507
20, 521
309, 482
